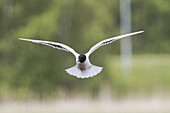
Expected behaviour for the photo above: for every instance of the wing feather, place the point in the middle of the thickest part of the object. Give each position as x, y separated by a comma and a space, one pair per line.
59, 46
110, 40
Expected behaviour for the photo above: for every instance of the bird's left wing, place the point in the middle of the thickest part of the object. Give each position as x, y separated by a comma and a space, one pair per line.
110, 40
53, 44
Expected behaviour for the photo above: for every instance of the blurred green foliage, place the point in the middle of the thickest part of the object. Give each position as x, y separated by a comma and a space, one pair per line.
32, 69
150, 74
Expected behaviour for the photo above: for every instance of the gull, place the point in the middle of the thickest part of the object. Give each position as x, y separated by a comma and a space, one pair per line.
83, 67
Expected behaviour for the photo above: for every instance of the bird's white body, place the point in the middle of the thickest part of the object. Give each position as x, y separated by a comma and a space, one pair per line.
84, 70
83, 67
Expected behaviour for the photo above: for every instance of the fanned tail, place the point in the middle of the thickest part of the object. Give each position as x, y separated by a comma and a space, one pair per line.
89, 72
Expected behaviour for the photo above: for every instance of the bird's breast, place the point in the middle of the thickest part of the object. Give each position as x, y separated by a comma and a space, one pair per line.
82, 66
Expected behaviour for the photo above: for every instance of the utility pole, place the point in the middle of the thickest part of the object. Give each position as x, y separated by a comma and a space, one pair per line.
126, 44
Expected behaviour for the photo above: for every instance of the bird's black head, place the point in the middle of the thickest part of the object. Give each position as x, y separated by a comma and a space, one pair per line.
82, 58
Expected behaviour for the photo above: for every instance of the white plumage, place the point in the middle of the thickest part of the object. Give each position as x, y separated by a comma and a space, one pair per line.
89, 72
83, 68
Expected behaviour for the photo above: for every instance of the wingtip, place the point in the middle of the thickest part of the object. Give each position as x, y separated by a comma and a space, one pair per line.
140, 31
20, 39
23, 39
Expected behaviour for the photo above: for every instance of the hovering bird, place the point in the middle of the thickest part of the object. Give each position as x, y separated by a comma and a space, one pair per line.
83, 67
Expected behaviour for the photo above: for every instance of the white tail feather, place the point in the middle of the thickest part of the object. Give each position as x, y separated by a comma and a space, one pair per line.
89, 72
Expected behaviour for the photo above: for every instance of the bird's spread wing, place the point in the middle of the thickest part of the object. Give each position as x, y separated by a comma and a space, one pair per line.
53, 44
110, 40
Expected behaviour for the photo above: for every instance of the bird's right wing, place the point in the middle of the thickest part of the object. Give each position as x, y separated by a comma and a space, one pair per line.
110, 40
53, 44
